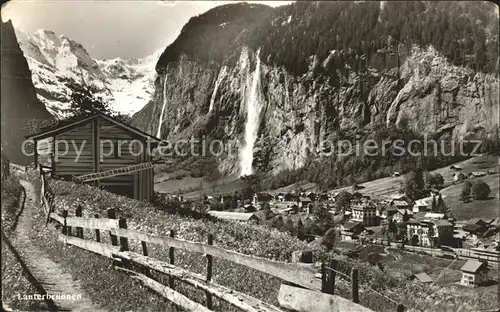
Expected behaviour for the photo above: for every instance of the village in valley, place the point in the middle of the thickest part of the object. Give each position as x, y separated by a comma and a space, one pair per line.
446, 221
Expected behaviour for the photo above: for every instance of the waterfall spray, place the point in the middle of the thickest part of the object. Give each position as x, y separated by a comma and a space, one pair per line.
222, 73
163, 108
253, 101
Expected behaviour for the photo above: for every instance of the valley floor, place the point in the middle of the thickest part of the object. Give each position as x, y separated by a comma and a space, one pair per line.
172, 183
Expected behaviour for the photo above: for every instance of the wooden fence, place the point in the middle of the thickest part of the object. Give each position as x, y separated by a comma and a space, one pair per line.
302, 282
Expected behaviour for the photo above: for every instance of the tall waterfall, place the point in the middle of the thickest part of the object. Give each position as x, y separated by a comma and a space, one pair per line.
163, 107
216, 88
253, 102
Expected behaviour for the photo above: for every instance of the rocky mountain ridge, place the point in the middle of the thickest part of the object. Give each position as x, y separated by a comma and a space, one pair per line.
332, 93
58, 61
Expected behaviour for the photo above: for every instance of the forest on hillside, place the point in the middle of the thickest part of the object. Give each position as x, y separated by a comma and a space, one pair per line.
465, 32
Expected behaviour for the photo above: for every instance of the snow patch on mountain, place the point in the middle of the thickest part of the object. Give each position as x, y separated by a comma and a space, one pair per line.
126, 84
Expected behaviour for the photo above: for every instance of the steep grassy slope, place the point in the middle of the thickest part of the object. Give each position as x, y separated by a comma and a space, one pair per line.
258, 241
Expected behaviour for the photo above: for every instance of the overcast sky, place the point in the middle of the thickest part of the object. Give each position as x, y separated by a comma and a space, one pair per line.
108, 29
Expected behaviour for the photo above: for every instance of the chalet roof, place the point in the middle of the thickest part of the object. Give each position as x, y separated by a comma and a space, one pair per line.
400, 203
67, 125
472, 266
263, 195
421, 203
413, 221
477, 221
349, 225
237, 216
405, 211
472, 228
439, 223
397, 196
423, 277
391, 208
434, 215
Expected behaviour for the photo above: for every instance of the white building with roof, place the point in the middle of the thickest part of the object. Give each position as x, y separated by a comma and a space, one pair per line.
474, 273
365, 214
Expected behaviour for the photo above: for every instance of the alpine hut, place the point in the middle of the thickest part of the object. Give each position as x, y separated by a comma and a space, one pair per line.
101, 150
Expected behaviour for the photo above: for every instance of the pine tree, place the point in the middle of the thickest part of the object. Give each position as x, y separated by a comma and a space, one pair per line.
84, 101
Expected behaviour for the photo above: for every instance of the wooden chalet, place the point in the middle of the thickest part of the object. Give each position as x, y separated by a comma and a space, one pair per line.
72, 149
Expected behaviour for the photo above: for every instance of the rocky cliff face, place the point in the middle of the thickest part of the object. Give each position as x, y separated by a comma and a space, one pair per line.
332, 95
20, 106
438, 97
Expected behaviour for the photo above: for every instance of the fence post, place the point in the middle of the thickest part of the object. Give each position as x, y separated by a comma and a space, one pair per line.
401, 308
65, 226
328, 276
79, 214
355, 286
112, 215
122, 224
210, 242
171, 257
144, 248
97, 232
42, 187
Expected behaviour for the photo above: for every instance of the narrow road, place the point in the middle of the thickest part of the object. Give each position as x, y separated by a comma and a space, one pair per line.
58, 284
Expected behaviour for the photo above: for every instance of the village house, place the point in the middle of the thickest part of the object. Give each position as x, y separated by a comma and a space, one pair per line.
418, 232
475, 228
304, 202
324, 196
477, 174
444, 233
400, 204
385, 212
250, 208
289, 197
430, 233
434, 215
257, 198
350, 230
365, 213
312, 196
420, 205
280, 197
474, 273
402, 215
109, 154
458, 177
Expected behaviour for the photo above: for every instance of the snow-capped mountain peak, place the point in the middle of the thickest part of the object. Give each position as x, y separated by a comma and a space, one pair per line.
56, 60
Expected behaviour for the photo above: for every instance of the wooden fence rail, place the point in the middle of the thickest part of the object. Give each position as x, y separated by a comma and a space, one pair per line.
298, 276
296, 273
237, 299
167, 292
92, 223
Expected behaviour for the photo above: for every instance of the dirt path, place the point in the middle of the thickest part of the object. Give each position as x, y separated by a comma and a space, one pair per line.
54, 280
